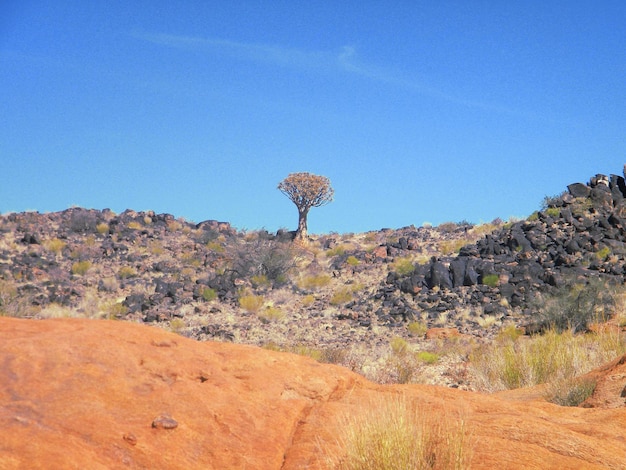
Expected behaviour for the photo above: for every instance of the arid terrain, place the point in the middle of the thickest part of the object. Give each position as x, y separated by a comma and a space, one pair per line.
141, 340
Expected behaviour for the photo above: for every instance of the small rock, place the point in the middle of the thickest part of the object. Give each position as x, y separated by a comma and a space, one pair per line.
164, 422
131, 438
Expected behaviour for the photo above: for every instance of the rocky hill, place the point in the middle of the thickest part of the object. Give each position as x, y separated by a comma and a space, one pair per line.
343, 298
90, 379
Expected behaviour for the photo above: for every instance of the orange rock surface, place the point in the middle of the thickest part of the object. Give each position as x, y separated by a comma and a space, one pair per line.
88, 394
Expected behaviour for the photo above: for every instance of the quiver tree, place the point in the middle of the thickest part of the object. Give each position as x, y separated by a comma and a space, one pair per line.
306, 190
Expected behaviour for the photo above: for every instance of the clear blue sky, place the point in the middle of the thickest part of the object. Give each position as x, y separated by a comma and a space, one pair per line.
416, 110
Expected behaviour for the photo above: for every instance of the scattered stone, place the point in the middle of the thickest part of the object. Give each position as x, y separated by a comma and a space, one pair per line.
164, 422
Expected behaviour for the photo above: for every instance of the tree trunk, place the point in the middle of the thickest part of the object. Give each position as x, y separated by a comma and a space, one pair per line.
301, 233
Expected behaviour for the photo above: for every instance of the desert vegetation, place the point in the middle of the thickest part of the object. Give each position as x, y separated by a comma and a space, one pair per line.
398, 433
372, 302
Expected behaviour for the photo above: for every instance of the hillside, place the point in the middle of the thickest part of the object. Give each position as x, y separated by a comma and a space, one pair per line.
341, 298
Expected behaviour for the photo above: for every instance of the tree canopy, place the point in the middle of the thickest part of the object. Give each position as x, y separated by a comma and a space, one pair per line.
306, 190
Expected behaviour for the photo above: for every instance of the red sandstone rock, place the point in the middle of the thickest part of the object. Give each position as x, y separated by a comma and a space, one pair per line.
84, 394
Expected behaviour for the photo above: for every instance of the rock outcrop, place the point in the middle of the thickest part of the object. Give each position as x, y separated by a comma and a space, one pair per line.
78, 393
579, 235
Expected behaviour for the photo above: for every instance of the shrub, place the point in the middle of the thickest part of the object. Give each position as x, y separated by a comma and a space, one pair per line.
427, 357
264, 257
271, 314
308, 300
208, 294
81, 267
55, 245
570, 392
102, 228
336, 251
403, 266
316, 281
116, 310
548, 358
399, 345
553, 211
417, 328
126, 272
341, 296
216, 247
14, 303
251, 303
177, 324
603, 253
397, 434
491, 280
576, 305
134, 225
352, 261
260, 280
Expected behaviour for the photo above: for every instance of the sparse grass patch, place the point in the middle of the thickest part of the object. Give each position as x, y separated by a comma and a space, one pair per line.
491, 280
548, 358
398, 434
251, 303
177, 324
13, 303
448, 247
55, 245
102, 228
570, 392
126, 272
270, 314
80, 268
417, 328
314, 281
336, 251
403, 266
427, 357
399, 345
308, 300
352, 261
341, 296
208, 294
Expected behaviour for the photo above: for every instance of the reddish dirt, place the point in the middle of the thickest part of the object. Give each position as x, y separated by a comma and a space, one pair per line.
105, 394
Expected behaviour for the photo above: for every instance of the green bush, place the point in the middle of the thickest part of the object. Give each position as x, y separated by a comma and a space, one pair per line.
403, 266
491, 280
208, 294
352, 261
427, 357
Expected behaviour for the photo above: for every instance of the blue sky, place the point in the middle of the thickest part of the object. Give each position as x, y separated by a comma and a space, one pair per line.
418, 111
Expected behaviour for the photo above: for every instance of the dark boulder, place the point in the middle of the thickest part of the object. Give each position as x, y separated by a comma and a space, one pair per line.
579, 190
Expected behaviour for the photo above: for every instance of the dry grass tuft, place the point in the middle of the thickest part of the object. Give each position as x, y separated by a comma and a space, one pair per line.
399, 434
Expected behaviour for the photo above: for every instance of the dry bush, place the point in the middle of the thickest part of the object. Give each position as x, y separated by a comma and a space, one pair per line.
341, 296
271, 314
315, 281
251, 303
553, 357
14, 303
400, 434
